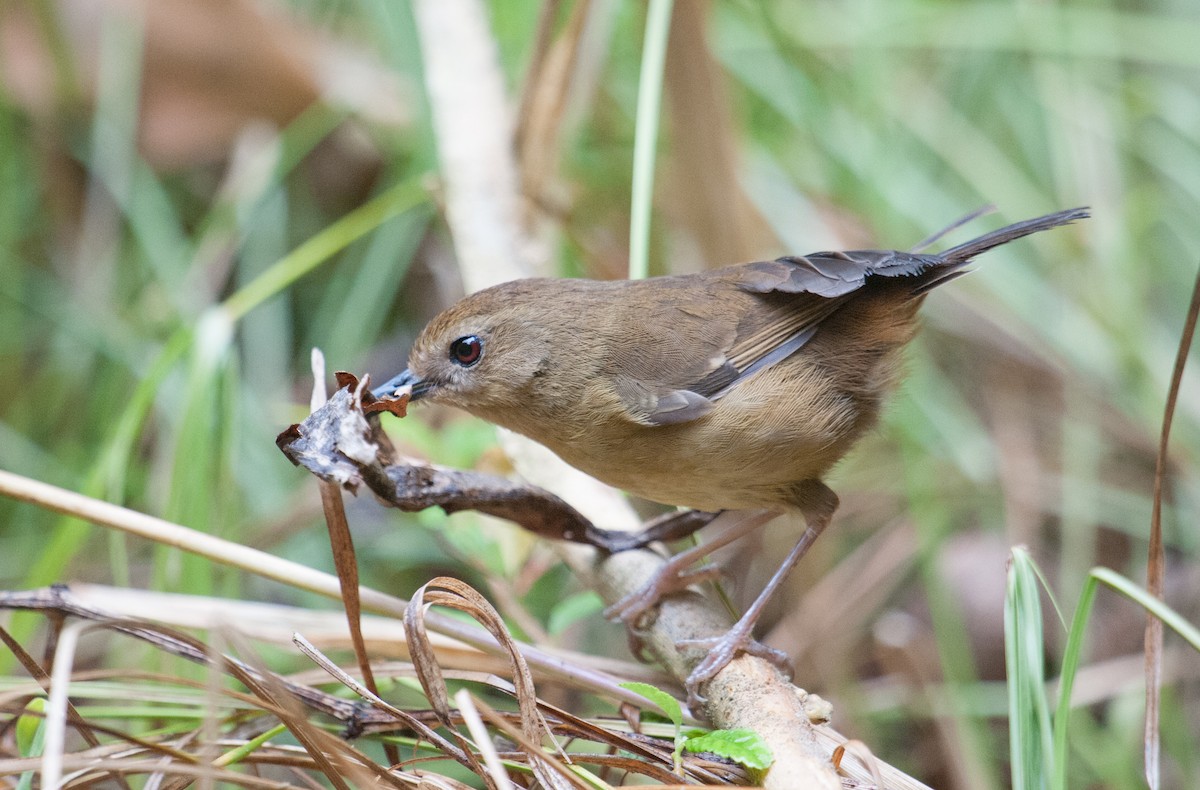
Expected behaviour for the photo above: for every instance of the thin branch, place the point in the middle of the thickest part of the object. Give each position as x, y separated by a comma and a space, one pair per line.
1156, 563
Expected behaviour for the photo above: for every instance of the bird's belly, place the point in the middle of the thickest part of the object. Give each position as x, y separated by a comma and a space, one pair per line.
758, 473
751, 451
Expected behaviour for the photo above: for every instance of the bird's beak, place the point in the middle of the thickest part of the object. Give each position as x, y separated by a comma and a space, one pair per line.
406, 379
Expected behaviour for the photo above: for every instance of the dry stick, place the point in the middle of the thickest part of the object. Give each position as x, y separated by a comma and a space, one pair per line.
1157, 560
541, 49
484, 207
356, 719
341, 543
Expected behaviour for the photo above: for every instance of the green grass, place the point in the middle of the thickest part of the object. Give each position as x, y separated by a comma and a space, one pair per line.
1040, 749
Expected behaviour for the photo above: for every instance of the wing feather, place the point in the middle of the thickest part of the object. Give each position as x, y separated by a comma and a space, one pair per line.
773, 309
789, 298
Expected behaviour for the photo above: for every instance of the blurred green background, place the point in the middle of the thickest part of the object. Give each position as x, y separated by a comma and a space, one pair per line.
157, 156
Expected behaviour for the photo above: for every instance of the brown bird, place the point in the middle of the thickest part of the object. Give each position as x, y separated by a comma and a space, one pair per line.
731, 389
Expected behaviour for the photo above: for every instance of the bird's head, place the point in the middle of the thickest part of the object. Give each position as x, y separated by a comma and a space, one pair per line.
481, 354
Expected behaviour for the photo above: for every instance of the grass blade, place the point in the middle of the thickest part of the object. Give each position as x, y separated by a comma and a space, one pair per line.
1030, 734
654, 55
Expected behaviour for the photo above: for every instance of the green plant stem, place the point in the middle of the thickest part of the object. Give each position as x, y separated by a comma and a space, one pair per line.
312, 253
654, 56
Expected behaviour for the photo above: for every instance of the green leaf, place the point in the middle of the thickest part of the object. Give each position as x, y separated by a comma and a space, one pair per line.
31, 737
742, 746
30, 727
668, 705
664, 701
1074, 650
654, 54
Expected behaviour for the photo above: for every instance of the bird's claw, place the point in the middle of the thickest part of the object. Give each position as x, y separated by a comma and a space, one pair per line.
777, 658
723, 649
669, 579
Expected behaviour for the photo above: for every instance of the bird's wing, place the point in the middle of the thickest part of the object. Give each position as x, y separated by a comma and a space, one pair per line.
830, 274
704, 341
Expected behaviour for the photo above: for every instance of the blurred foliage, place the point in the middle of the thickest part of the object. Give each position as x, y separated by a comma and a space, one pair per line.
142, 190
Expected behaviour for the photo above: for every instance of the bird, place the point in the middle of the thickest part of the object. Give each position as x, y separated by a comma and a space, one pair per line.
733, 389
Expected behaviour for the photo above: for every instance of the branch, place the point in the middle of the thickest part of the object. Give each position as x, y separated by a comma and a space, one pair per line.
342, 444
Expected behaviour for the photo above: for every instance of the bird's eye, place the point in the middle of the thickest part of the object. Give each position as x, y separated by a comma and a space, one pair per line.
466, 351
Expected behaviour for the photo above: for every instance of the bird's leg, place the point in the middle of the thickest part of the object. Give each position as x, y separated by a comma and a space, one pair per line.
675, 576
818, 503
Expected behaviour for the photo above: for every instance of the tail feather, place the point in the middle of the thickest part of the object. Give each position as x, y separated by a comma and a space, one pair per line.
951, 262
964, 252
929, 241
836, 274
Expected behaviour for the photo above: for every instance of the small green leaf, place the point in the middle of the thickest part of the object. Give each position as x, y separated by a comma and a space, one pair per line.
28, 727
665, 702
670, 706
741, 746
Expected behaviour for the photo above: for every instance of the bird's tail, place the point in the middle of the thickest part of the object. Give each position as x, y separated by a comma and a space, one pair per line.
954, 259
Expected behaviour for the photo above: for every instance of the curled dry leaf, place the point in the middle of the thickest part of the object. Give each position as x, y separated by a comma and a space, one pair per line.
540, 723
334, 443
446, 591
371, 404
397, 406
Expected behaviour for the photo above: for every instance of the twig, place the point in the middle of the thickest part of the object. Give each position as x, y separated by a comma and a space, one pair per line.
1156, 562
344, 446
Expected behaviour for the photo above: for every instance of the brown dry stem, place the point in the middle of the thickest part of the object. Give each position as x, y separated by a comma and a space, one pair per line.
535, 722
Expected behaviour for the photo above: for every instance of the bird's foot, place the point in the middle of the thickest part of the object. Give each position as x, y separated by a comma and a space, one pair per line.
672, 577
723, 649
